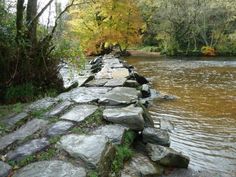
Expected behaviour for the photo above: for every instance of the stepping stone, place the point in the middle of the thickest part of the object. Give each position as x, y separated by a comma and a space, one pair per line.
145, 90
28, 129
120, 96
120, 73
129, 116
105, 73
156, 136
167, 156
96, 83
30, 148
79, 113
5, 169
111, 61
44, 103
140, 166
60, 128
58, 109
94, 151
13, 120
53, 168
115, 82
114, 133
131, 83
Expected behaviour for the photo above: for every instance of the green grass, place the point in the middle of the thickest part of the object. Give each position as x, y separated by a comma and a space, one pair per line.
93, 174
9, 109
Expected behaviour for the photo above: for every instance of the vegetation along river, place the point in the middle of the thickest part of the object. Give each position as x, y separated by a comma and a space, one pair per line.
202, 121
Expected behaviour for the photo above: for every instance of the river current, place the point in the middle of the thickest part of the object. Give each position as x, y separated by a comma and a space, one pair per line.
202, 121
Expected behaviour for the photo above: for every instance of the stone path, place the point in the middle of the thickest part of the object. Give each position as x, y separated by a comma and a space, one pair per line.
76, 132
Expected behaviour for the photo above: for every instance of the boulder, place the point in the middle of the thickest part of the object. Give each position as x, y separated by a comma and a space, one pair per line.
120, 96
140, 166
5, 169
114, 133
167, 157
130, 116
94, 151
29, 129
27, 149
156, 136
59, 128
79, 113
53, 168
145, 90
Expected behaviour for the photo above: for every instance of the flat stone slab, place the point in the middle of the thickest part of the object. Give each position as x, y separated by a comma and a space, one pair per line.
140, 166
42, 104
115, 82
53, 168
27, 149
59, 128
118, 73
131, 83
96, 83
79, 113
28, 129
120, 96
4, 169
93, 150
156, 136
84, 94
13, 120
114, 133
167, 156
58, 109
130, 116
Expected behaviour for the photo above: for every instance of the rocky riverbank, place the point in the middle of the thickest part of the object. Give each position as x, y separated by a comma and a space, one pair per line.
99, 128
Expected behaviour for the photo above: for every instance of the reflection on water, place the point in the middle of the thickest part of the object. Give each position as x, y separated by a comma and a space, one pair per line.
203, 121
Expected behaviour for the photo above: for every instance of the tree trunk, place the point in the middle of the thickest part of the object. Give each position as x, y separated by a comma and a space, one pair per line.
32, 24
19, 18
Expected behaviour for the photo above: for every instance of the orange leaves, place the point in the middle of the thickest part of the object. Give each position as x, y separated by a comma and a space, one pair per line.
208, 51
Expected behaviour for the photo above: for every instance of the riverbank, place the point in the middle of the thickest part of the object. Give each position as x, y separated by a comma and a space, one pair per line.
100, 128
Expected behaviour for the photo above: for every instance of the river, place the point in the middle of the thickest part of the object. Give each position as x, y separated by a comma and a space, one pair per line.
202, 121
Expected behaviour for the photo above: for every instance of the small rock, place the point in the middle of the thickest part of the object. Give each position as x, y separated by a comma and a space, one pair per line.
4, 169
113, 132
93, 150
115, 82
60, 128
167, 156
140, 79
156, 136
29, 129
28, 149
131, 83
59, 108
96, 60
53, 168
149, 122
79, 113
130, 116
140, 166
145, 90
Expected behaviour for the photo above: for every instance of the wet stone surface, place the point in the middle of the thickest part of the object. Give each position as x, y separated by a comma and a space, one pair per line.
28, 149
59, 128
79, 113
4, 169
59, 108
12, 120
51, 169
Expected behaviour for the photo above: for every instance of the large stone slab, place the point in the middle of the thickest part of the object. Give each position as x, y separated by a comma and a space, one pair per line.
53, 168
42, 104
27, 149
96, 83
115, 82
120, 96
130, 116
94, 151
85, 94
58, 109
14, 119
140, 166
114, 133
59, 128
29, 129
167, 156
156, 136
79, 113
118, 73
4, 169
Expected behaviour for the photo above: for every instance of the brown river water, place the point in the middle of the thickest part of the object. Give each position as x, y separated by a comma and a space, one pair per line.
202, 121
